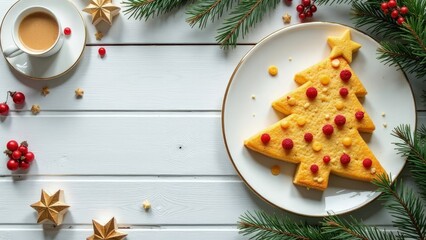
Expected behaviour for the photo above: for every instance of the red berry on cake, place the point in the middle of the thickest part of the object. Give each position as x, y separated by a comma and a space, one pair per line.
367, 163
340, 120
328, 129
308, 137
343, 92
311, 93
359, 115
345, 159
265, 138
345, 75
314, 168
287, 144
326, 159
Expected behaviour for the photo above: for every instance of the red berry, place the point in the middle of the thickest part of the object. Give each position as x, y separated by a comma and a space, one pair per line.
300, 8
18, 97
16, 155
12, 164
12, 145
24, 165
23, 149
344, 92
394, 14
345, 159
311, 92
265, 138
314, 168
327, 129
367, 163
392, 3
287, 144
400, 20
384, 6
302, 16
67, 31
403, 10
345, 75
29, 156
102, 51
326, 159
306, 2
308, 137
359, 115
313, 8
308, 13
4, 109
340, 120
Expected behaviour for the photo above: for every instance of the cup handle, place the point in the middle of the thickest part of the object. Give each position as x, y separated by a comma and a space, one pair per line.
12, 51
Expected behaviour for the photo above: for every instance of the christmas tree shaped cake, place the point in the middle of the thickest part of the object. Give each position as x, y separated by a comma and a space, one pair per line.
324, 117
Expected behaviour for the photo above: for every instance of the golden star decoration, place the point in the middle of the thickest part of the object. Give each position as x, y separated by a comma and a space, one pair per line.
35, 109
51, 208
101, 10
343, 46
79, 93
107, 231
286, 18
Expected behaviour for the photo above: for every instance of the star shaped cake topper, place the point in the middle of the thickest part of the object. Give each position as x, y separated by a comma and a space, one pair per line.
343, 46
51, 208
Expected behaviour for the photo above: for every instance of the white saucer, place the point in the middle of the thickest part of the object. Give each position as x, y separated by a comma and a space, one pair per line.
59, 63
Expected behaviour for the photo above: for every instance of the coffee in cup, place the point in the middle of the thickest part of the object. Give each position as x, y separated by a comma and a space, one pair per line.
36, 32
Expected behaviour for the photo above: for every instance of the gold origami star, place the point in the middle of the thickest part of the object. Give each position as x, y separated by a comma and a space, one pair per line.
343, 46
102, 10
51, 208
79, 93
286, 18
35, 109
107, 231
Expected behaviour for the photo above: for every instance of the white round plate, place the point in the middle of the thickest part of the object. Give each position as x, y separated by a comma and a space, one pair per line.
293, 49
59, 63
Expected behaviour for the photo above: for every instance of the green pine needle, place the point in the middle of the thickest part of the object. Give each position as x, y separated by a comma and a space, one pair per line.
144, 9
242, 18
204, 10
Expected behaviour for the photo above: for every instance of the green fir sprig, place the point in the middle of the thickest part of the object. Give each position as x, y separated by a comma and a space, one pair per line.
144, 9
407, 207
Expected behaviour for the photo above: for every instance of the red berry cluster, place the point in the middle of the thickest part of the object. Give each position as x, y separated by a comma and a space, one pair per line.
395, 11
17, 97
306, 9
19, 156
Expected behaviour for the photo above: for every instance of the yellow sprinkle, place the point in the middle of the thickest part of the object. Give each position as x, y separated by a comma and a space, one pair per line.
339, 105
273, 70
373, 170
327, 116
301, 121
315, 179
324, 79
320, 180
324, 90
316, 146
335, 63
306, 105
291, 101
347, 142
285, 124
275, 170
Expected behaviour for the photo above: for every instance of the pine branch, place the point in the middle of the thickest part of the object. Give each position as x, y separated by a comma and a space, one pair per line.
263, 226
203, 10
404, 206
144, 9
242, 18
347, 230
414, 148
331, 2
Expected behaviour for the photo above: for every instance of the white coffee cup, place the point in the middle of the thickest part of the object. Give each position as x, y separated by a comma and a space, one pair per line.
19, 47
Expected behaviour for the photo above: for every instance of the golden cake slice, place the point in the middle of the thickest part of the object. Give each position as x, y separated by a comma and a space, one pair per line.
321, 131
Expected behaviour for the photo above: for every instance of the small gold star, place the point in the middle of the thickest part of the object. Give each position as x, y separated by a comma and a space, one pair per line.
45, 90
107, 231
51, 208
79, 93
35, 109
101, 10
99, 36
146, 205
343, 46
287, 18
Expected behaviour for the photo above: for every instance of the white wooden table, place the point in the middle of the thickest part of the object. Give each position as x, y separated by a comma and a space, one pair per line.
148, 127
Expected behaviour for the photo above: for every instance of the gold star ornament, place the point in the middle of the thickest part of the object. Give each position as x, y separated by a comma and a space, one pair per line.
343, 46
107, 231
101, 10
51, 208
